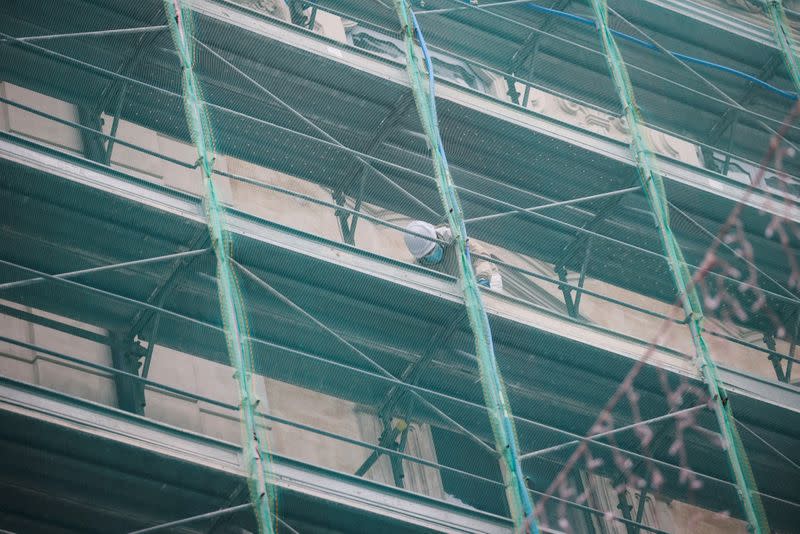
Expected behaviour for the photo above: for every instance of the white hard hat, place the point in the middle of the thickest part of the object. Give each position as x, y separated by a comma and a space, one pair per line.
419, 246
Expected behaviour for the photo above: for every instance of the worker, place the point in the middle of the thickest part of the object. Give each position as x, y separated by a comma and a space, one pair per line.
421, 240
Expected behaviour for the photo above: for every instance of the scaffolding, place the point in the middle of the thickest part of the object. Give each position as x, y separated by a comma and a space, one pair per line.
242, 192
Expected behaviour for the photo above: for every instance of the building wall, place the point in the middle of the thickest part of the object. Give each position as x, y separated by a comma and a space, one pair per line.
660, 512
596, 121
284, 400
215, 381
184, 371
38, 368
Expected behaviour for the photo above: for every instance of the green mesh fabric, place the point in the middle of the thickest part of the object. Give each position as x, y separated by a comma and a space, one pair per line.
234, 318
494, 390
784, 39
299, 151
653, 184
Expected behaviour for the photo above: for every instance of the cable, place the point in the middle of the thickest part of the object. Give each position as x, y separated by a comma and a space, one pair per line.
768, 444
99, 33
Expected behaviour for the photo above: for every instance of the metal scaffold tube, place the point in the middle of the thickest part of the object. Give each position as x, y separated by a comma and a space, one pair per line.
240, 352
193, 519
783, 38
652, 183
495, 397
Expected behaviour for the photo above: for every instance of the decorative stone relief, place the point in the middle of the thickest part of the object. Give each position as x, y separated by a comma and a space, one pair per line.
741, 5
495, 85
537, 100
615, 127
744, 10
569, 107
273, 8
563, 109
663, 144
598, 122
621, 125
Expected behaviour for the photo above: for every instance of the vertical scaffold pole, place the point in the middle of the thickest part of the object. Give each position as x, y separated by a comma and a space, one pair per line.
783, 37
653, 185
231, 306
495, 397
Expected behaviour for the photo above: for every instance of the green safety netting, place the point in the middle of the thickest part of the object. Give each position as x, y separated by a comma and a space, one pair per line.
336, 141
653, 184
232, 308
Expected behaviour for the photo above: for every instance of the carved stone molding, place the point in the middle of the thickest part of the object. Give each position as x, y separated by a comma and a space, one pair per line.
273, 8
